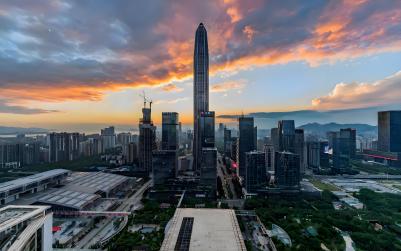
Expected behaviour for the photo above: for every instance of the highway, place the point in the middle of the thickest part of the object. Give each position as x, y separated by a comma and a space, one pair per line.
105, 226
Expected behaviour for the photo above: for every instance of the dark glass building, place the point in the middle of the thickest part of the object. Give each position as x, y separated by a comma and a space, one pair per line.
255, 167
147, 140
287, 170
299, 147
201, 87
170, 131
164, 163
389, 126
208, 177
246, 142
206, 129
286, 130
227, 142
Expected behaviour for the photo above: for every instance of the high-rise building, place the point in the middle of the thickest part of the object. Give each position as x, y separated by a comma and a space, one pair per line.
208, 175
131, 152
201, 88
246, 142
63, 146
170, 131
274, 137
11, 155
389, 130
286, 130
343, 145
287, 170
269, 157
234, 149
255, 167
164, 163
299, 143
317, 156
206, 129
147, 139
108, 137
124, 138
227, 142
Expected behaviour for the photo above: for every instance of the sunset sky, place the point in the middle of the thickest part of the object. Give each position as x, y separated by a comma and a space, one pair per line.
66, 64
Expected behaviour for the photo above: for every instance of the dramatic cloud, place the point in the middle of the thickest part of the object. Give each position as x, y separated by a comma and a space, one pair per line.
5, 107
172, 88
76, 50
357, 95
228, 86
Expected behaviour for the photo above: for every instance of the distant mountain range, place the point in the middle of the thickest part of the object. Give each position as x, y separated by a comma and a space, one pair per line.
19, 130
322, 129
268, 120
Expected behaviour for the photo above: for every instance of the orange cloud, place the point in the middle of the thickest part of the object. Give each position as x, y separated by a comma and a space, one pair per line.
228, 86
358, 95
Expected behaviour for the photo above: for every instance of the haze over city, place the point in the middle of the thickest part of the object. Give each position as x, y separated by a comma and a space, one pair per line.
83, 64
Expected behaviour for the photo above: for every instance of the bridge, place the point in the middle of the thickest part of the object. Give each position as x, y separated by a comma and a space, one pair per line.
93, 213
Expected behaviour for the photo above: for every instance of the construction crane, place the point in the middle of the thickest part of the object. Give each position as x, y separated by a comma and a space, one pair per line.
146, 99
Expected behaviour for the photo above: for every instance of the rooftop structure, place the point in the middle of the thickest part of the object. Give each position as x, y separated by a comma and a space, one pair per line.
62, 198
203, 229
20, 225
11, 190
96, 182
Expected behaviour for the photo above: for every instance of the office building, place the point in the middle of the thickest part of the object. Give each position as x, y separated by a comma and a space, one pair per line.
227, 141
234, 149
206, 128
63, 146
317, 155
389, 131
287, 170
203, 229
170, 131
286, 133
164, 164
255, 167
108, 137
208, 174
274, 138
131, 153
147, 139
299, 147
343, 145
246, 142
201, 88
26, 228
269, 156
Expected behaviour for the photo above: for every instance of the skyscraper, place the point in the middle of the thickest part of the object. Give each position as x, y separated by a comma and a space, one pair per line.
389, 123
170, 131
201, 87
246, 142
206, 128
147, 139
299, 148
286, 130
255, 167
286, 166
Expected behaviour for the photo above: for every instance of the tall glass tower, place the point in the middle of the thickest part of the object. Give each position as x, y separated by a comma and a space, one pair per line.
201, 88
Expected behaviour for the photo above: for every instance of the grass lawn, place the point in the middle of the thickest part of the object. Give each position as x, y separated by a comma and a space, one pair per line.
324, 186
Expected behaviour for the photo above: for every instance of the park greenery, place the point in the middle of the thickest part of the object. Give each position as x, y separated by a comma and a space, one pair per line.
296, 215
373, 168
151, 213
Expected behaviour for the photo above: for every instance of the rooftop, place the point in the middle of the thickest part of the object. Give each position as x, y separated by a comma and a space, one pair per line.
67, 198
203, 229
91, 182
6, 186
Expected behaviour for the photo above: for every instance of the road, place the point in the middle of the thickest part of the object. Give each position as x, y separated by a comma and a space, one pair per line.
225, 178
105, 226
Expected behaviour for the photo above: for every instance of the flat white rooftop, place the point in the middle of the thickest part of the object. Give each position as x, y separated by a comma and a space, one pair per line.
212, 229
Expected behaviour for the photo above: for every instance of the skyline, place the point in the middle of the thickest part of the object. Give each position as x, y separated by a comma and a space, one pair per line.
55, 72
